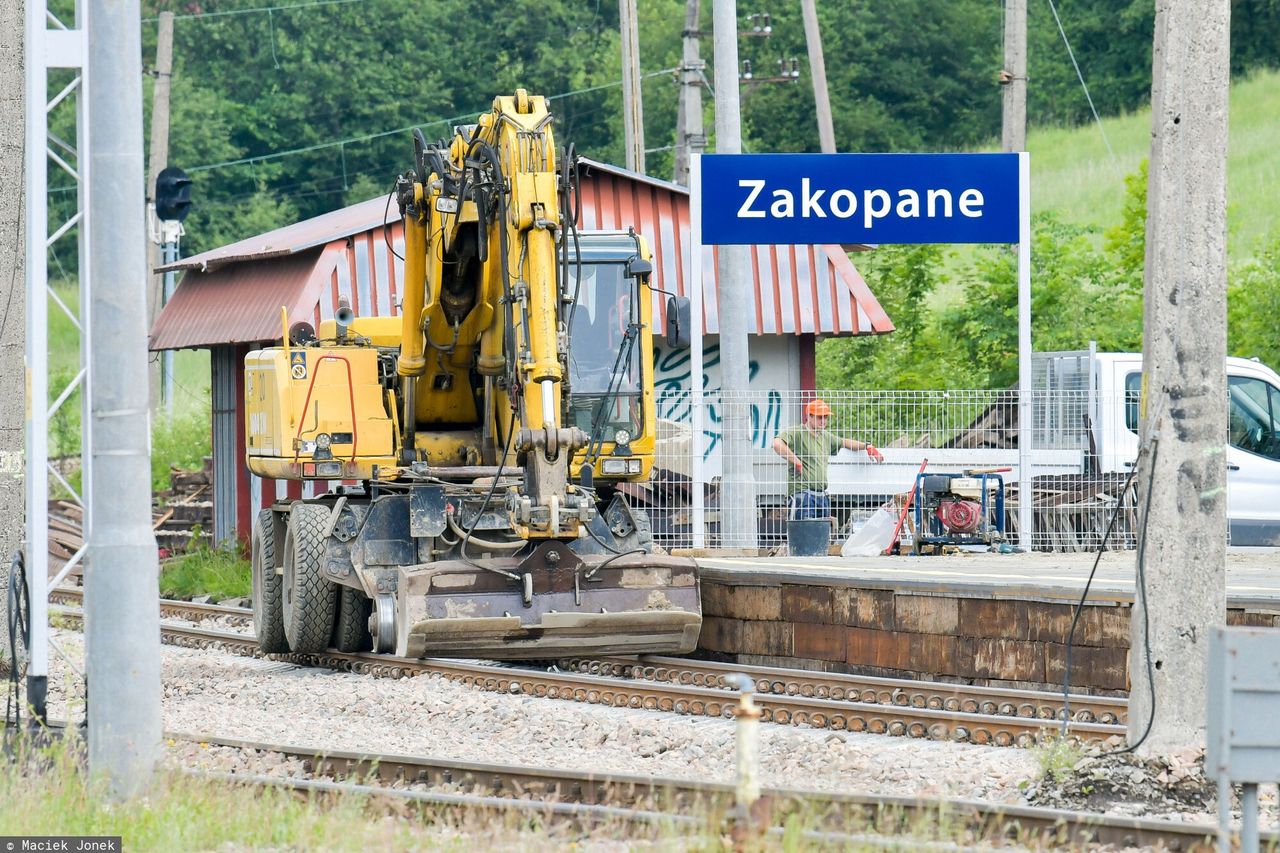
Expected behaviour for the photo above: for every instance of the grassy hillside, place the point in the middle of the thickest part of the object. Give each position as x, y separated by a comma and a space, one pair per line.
1073, 175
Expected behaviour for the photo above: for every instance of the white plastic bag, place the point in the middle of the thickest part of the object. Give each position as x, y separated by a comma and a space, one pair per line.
874, 536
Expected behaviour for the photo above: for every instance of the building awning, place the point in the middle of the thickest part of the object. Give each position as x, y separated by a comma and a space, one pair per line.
237, 303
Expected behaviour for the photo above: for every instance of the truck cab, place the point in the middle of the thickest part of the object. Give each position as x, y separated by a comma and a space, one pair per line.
1253, 441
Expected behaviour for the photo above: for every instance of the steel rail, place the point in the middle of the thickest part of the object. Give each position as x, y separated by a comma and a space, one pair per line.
654, 800
935, 695
874, 690
984, 821
854, 716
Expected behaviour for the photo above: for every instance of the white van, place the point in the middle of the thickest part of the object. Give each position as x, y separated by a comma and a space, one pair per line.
1253, 451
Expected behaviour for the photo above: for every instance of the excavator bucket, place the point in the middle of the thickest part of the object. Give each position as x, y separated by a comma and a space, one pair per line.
551, 603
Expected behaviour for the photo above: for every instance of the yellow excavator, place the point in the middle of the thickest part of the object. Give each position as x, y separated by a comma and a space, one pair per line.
486, 428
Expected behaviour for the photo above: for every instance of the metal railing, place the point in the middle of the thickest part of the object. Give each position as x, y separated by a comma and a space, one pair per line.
1081, 452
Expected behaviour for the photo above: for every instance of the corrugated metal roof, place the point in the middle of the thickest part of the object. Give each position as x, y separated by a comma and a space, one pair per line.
295, 238
798, 289
239, 303
233, 294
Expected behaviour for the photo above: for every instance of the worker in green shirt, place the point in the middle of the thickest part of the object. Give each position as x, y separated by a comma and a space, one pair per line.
808, 447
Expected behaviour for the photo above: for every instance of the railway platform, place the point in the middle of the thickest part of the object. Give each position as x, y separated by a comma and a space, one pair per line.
974, 618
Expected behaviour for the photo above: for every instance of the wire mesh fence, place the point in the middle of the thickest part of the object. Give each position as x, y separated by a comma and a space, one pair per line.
1081, 450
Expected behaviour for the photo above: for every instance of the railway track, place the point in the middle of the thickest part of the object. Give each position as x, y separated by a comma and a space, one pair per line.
868, 690
976, 822
668, 696
992, 701
839, 818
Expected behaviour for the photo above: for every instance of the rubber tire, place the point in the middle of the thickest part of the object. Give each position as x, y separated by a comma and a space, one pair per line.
268, 617
351, 630
310, 604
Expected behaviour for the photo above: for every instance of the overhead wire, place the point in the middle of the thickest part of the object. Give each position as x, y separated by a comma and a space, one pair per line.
1080, 76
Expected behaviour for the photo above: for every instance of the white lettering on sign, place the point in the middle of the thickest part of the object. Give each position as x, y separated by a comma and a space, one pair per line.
745, 212
876, 203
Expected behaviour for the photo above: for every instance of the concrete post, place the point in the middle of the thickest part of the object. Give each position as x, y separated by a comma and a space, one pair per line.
818, 71
690, 137
632, 100
12, 278
1014, 76
122, 625
737, 492
1182, 466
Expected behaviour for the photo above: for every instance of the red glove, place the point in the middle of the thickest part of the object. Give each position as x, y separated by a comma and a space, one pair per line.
799, 467
873, 454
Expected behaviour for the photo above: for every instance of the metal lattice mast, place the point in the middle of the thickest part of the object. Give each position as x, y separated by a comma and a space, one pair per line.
51, 46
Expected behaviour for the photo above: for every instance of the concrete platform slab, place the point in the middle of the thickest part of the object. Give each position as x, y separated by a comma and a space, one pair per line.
1253, 574
975, 618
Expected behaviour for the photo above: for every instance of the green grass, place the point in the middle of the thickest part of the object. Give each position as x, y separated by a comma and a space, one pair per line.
181, 438
220, 573
1073, 175
182, 812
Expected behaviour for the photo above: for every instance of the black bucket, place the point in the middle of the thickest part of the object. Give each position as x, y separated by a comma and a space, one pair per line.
808, 538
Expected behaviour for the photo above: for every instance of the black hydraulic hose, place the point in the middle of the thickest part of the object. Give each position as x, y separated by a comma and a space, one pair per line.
462, 549
16, 593
509, 331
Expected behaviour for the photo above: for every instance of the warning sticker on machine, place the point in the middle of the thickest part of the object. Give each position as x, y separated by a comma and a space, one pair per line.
298, 364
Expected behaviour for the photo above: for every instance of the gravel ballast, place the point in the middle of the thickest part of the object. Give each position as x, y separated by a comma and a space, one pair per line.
217, 693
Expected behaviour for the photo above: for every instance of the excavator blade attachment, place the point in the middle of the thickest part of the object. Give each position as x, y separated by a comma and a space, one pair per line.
549, 604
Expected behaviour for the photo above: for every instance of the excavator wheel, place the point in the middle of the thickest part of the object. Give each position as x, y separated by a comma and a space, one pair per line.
268, 621
310, 599
351, 630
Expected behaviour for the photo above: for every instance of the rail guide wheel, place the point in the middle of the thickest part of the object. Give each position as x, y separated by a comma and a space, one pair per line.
310, 600
382, 623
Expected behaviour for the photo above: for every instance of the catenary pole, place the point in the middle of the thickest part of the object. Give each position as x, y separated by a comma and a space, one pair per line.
690, 137
12, 277
159, 158
1182, 459
818, 71
737, 493
1014, 76
632, 100
122, 624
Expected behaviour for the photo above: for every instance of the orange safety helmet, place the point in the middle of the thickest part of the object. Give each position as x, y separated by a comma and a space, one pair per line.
817, 407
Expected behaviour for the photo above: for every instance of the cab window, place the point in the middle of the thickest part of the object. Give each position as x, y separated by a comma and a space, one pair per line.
1252, 417
1132, 394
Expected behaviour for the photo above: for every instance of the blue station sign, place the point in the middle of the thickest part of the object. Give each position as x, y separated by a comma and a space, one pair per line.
859, 198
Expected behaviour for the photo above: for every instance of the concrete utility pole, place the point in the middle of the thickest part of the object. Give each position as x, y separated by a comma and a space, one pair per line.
122, 625
1013, 77
690, 137
12, 278
159, 159
632, 99
1182, 467
818, 71
737, 483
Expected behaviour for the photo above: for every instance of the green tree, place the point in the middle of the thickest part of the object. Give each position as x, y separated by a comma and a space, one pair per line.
1253, 304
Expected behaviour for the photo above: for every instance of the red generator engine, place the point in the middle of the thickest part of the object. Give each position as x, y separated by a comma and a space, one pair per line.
959, 509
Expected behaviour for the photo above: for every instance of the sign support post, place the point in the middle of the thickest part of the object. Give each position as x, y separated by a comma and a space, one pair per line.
1026, 515
697, 402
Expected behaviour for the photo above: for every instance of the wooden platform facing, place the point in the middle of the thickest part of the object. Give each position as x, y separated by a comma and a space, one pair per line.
1000, 619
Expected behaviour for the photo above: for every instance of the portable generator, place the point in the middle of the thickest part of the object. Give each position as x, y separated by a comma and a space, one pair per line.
959, 509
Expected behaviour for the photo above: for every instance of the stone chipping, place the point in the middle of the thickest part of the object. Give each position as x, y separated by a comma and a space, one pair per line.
218, 693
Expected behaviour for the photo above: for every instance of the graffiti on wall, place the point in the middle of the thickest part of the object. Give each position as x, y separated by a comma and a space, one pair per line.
672, 384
